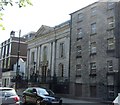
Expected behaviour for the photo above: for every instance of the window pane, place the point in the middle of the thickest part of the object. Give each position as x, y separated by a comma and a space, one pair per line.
110, 65
78, 51
80, 16
111, 22
93, 11
110, 5
110, 32
79, 33
93, 68
93, 28
78, 67
111, 43
93, 47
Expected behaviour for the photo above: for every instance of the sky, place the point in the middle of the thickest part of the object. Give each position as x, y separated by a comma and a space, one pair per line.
43, 12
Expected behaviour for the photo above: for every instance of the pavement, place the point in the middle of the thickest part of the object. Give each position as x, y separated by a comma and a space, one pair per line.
90, 99
84, 101
76, 101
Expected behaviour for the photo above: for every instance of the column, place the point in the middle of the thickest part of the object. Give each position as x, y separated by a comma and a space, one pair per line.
53, 58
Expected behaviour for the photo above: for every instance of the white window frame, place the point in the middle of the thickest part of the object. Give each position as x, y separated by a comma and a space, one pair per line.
111, 44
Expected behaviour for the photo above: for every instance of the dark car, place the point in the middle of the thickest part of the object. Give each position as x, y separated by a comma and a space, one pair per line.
8, 96
40, 96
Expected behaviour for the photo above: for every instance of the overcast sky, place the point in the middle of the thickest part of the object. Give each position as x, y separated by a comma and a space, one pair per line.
43, 12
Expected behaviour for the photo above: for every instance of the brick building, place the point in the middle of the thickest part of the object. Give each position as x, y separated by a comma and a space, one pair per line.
9, 52
9, 56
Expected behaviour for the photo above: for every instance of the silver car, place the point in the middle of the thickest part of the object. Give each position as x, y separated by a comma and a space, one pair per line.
8, 96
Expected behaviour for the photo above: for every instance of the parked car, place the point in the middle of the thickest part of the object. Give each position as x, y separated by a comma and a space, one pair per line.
38, 96
8, 96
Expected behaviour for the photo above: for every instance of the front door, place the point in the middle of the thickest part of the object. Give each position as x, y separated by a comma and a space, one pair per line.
78, 89
93, 91
44, 73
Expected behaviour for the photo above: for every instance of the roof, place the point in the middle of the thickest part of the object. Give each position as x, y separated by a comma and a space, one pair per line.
43, 30
62, 24
84, 7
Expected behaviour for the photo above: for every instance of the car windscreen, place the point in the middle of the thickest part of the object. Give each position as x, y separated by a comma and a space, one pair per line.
45, 92
50, 92
42, 92
7, 92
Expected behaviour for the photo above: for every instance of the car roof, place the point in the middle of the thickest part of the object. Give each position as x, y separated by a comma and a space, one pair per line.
37, 88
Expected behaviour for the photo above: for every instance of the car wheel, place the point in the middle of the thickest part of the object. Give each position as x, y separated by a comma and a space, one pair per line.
24, 100
60, 103
38, 102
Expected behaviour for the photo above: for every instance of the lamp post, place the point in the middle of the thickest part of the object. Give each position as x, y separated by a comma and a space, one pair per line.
18, 54
18, 66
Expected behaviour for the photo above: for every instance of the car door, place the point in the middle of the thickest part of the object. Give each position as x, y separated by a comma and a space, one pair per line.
34, 95
28, 94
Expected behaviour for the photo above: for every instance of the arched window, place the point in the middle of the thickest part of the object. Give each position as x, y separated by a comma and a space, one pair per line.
61, 70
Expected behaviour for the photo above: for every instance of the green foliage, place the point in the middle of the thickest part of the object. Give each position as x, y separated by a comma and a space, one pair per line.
20, 3
1, 25
3, 3
23, 3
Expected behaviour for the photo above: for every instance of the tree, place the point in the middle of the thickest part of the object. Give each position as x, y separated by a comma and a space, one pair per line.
3, 3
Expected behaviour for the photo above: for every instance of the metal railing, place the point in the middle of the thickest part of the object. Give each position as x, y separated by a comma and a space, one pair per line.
48, 79
39, 78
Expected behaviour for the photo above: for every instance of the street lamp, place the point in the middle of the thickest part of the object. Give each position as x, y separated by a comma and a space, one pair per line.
18, 54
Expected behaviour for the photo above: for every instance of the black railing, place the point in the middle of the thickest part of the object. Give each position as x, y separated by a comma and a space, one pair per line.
48, 79
40, 79
21, 80
58, 84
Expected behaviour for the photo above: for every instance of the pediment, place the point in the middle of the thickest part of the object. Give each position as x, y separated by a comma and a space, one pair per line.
43, 30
